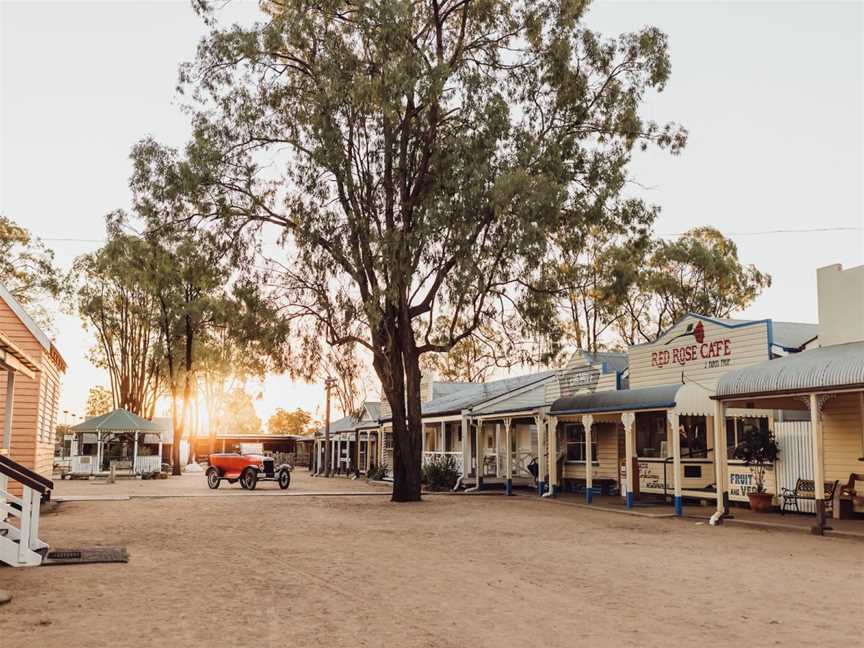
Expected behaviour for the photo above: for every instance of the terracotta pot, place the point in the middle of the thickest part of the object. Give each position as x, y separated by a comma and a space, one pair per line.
760, 502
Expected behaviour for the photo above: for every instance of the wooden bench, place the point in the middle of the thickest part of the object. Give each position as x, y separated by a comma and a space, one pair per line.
805, 489
853, 490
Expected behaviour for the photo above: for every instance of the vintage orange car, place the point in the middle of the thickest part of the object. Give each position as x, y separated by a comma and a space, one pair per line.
247, 468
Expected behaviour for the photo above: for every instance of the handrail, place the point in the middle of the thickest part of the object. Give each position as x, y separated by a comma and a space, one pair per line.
25, 470
24, 475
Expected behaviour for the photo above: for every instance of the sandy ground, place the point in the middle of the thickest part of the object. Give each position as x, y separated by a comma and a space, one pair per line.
196, 484
451, 571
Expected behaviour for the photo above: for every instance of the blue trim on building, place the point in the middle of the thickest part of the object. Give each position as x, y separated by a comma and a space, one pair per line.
541, 487
589, 495
770, 339
705, 319
509, 487
679, 506
630, 499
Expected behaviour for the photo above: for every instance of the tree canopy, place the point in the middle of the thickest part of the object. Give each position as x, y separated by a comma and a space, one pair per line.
297, 421
28, 270
415, 157
239, 414
99, 402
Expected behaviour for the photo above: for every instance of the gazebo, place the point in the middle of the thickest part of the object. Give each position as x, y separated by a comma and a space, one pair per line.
109, 435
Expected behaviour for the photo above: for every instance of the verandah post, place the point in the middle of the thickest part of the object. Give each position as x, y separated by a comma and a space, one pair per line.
818, 465
508, 457
540, 422
478, 426
443, 437
466, 448
628, 419
587, 424
672, 417
720, 458
553, 455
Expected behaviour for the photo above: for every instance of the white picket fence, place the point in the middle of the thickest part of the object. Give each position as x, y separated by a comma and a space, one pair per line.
796, 457
148, 464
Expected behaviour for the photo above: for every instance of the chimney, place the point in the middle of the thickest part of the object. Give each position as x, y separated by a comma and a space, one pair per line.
427, 382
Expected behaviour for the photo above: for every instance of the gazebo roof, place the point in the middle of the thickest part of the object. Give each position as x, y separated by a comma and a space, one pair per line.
117, 421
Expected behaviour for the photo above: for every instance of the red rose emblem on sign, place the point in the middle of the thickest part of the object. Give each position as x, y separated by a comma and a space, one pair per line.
699, 333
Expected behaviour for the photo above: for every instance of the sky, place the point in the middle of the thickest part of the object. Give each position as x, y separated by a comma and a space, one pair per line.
772, 95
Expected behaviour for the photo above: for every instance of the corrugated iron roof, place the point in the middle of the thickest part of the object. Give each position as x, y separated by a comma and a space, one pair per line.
474, 394
119, 420
826, 368
659, 397
794, 335
613, 360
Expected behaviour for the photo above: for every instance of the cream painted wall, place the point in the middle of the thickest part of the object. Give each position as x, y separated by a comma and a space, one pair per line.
841, 304
700, 359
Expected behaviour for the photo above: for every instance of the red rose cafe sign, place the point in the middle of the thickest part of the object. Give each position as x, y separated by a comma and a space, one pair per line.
715, 353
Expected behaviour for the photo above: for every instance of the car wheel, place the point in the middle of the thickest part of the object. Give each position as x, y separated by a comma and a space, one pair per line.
284, 479
213, 478
249, 479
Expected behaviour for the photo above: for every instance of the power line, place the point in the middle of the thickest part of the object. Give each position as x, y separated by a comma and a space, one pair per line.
781, 231
757, 233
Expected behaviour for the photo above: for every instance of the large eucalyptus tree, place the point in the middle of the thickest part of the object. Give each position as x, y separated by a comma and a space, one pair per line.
415, 155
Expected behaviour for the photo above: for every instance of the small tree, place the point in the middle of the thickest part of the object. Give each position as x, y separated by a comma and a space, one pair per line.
284, 422
99, 402
758, 448
239, 414
28, 271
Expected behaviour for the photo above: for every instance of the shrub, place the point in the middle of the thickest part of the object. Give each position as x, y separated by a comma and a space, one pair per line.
440, 473
758, 449
377, 473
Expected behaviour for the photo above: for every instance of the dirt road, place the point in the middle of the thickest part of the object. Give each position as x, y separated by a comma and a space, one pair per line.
451, 571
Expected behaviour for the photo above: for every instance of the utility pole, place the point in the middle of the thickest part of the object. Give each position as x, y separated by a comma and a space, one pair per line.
329, 383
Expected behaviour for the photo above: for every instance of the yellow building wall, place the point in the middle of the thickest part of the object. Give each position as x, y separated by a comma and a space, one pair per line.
607, 455
842, 437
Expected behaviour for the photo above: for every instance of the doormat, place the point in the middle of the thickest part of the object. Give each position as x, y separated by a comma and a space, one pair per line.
86, 556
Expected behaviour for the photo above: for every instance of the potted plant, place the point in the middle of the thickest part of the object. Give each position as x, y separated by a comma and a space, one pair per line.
757, 449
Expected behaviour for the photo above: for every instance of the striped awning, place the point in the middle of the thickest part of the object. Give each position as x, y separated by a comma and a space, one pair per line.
840, 366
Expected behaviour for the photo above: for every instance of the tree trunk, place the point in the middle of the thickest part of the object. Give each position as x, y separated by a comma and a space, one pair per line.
178, 433
405, 405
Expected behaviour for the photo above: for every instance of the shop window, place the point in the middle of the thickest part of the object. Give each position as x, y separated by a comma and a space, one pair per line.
432, 435
651, 434
737, 428
453, 437
575, 437
694, 436
693, 471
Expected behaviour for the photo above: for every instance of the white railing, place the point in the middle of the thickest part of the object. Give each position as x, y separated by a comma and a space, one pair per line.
84, 465
148, 464
457, 456
20, 542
